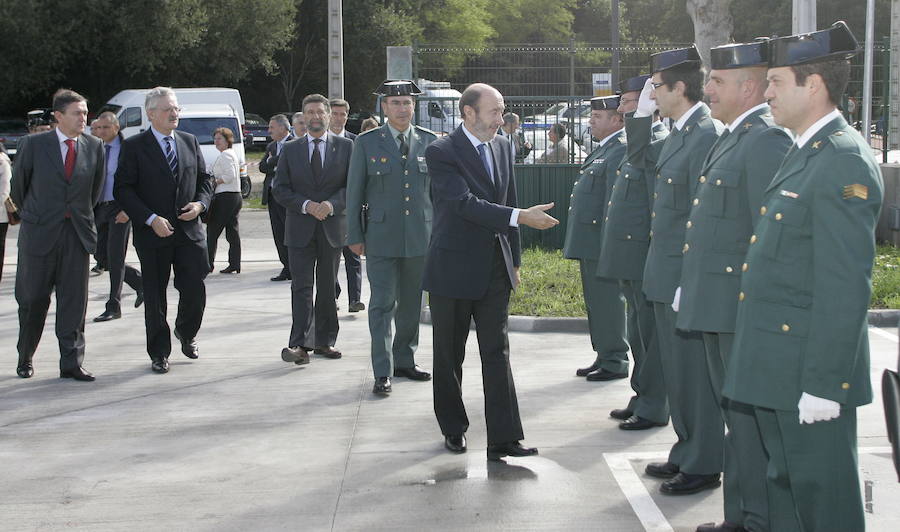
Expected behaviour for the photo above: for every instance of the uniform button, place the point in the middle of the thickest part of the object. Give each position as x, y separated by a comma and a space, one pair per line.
655, 195
614, 187
606, 219
626, 175
653, 214
571, 195
609, 202
718, 182
407, 212
658, 176
406, 172
406, 198
627, 237
845, 385
651, 234
785, 327
753, 239
696, 201
618, 172
741, 296
593, 221
669, 180
703, 179
685, 248
762, 210
689, 224
729, 269
591, 172
406, 185
778, 216
378, 172
744, 267
581, 172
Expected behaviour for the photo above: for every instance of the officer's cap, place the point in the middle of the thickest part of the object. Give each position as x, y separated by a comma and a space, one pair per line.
740, 55
836, 42
605, 103
673, 58
633, 84
397, 87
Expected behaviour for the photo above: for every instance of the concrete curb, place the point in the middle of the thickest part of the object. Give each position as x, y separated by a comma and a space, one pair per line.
876, 318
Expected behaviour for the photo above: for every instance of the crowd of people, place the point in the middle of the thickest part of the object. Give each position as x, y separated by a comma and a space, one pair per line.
730, 254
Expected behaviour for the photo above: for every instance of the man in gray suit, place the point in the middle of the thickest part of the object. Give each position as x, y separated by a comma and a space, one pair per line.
311, 183
56, 182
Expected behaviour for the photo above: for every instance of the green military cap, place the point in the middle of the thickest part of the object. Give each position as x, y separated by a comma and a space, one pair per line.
836, 42
397, 87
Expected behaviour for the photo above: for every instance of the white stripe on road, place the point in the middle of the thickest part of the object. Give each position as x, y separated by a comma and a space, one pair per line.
884, 334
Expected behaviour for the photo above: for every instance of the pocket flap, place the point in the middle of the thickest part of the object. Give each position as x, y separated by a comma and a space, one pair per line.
782, 319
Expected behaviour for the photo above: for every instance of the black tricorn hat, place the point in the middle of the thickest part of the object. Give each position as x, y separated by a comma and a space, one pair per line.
633, 84
673, 58
397, 87
740, 55
836, 42
605, 103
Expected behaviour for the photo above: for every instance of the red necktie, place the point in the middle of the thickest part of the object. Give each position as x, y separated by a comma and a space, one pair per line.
70, 159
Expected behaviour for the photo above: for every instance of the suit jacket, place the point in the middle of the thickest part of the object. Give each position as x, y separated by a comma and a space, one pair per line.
626, 226
677, 170
734, 176
517, 140
44, 197
294, 184
471, 214
801, 320
268, 164
350, 135
397, 191
589, 193
145, 185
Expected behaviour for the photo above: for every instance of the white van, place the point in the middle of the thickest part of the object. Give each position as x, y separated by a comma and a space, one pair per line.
437, 108
202, 119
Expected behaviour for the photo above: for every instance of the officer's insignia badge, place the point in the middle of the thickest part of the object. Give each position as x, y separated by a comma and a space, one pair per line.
838, 133
373, 159
789, 194
816, 144
748, 126
384, 159
856, 191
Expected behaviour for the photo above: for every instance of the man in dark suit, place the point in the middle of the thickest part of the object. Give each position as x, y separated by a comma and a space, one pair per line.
311, 183
280, 131
471, 267
162, 183
115, 223
56, 181
340, 110
518, 146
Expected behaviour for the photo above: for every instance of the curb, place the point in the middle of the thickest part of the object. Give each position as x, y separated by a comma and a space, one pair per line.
876, 318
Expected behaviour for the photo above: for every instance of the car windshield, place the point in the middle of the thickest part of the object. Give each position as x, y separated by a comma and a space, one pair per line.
254, 120
203, 128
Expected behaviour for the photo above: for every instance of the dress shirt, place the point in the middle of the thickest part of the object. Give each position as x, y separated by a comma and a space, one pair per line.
813, 129
161, 140
226, 168
611, 135
112, 164
406, 135
737, 122
514, 217
682, 120
63, 149
308, 138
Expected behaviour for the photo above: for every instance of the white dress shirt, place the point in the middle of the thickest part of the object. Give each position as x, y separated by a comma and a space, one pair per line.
227, 169
63, 149
813, 129
308, 139
514, 217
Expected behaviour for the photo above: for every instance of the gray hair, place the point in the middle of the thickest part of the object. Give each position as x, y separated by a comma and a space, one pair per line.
109, 116
295, 116
281, 120
156, 94
510, 118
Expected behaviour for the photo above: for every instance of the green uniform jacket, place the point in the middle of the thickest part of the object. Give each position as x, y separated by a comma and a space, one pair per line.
595, 179
397, 191
626, 229
677, 169
730, 189
801, 321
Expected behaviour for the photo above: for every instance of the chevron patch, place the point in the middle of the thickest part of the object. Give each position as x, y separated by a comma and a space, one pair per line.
856, 191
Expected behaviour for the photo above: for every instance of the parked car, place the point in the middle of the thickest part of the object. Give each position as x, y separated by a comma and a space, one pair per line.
11, 130
255, 130
201, 120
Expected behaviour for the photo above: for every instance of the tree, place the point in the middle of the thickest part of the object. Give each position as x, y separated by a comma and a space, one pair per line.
712, 24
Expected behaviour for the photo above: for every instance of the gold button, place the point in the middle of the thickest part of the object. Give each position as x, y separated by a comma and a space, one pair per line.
609, 202
689, 224
407, 212
744, 267
696, 201
762, 210
845, 385
655, 195
785, 327
627, 237
626, 175
653, 214
651, 234
406, 185
606, 219
571, 195
778, 216
593, 221
406, 172
703, 179
729, 269
753, 239
669, 180
581, 172
741, 296
406, 198
618, 172
718, 182
685, 248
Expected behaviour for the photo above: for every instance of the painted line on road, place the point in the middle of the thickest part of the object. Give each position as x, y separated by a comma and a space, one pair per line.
884, 334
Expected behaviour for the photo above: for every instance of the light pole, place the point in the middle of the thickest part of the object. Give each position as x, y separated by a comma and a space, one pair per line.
335, 50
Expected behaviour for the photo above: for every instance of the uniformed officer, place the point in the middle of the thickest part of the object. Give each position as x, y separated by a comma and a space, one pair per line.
389, 221
602, 296
801, 350
676, 85
623, 252
737, 170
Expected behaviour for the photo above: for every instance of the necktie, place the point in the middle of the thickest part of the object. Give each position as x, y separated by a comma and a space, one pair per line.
482, 151
107, 147
70, 159
404, 147
316, 161
171, 158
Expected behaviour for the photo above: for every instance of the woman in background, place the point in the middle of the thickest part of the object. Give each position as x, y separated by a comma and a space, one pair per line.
5, 176
226, 204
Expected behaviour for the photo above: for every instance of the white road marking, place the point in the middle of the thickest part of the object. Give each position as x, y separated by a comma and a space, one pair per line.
884, 334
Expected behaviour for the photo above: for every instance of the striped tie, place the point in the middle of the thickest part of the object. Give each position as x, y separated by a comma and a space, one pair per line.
170, 157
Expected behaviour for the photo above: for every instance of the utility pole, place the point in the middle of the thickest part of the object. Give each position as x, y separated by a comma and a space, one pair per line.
335, 49
803, 19
614, 82
867, 70
894, 117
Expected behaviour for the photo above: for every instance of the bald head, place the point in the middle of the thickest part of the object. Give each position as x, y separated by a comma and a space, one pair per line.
481, 107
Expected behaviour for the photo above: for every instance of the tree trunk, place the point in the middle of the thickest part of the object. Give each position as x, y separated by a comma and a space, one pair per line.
712, 24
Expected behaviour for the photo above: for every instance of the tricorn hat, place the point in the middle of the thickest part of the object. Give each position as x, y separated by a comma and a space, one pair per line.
605, 103
673, 58
397, 87
836, 42
740, 55
633, 84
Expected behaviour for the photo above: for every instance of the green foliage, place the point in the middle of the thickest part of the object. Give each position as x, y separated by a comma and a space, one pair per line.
550, 286
886, 278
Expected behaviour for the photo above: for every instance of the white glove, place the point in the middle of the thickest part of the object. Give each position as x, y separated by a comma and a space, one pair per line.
646, 106
677, 300
814, 409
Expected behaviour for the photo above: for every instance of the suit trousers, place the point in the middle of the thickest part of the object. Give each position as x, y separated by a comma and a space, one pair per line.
696, 417
606, 317
450, 319
116, 248
395, 285
188, 260
102, 224
813, 473
277, 215
316, 263
353, 268
64, 269
650, 401
223, 214
3, 228
744, 473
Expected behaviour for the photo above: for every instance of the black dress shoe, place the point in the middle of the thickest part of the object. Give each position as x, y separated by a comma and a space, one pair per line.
283, 276
97, 270
139, 300
686, 483
639, 423
79, 374
724, 527
382, 386
107, 316
583, 372
356, 306
327, 352
298, 355
496, 452
605, 375
455, 443
188, 346
160, 365
414, 373
661, 469
230, 269
25, 370
621, 413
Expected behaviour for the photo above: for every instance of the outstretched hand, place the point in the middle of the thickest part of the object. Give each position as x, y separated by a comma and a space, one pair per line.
536, 217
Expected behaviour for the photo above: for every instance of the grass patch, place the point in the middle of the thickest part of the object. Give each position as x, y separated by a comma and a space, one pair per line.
886, 278
253, 202
550, 286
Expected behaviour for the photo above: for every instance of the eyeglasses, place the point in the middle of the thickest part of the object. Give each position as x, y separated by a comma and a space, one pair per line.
657, 85
627, 100
170, 109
